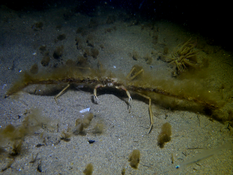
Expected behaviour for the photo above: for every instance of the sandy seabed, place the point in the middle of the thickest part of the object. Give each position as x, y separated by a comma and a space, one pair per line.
122, 42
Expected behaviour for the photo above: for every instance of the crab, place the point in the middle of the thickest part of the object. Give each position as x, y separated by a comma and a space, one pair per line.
184, 57
95, 78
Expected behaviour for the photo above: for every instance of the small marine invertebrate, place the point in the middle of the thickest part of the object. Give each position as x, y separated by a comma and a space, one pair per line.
183, 56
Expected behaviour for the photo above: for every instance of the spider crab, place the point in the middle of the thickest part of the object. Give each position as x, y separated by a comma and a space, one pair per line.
184, 57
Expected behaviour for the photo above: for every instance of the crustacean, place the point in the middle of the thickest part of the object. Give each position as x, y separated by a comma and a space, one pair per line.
136, 81
183, 56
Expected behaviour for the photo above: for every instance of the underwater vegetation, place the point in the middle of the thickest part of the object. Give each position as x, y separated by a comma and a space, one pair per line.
15, 135
165, 135
58, 52
83, 123
80, 128
61, 37
34, 69
37, 26
98, 128
30, 124
148, 59
134, 158
89, 169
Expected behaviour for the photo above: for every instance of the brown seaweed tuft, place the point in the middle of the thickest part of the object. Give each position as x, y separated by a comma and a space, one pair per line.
165, 135
134, 158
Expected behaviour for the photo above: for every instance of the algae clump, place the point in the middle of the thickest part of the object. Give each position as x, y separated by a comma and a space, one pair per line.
134, 158
165, 135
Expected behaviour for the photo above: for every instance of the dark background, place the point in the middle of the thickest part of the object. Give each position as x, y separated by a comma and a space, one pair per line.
213, 19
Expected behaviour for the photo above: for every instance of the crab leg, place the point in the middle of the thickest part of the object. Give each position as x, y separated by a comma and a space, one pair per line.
95, 91
131, 78
129, 74
127, 92
150, 112
60, 93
